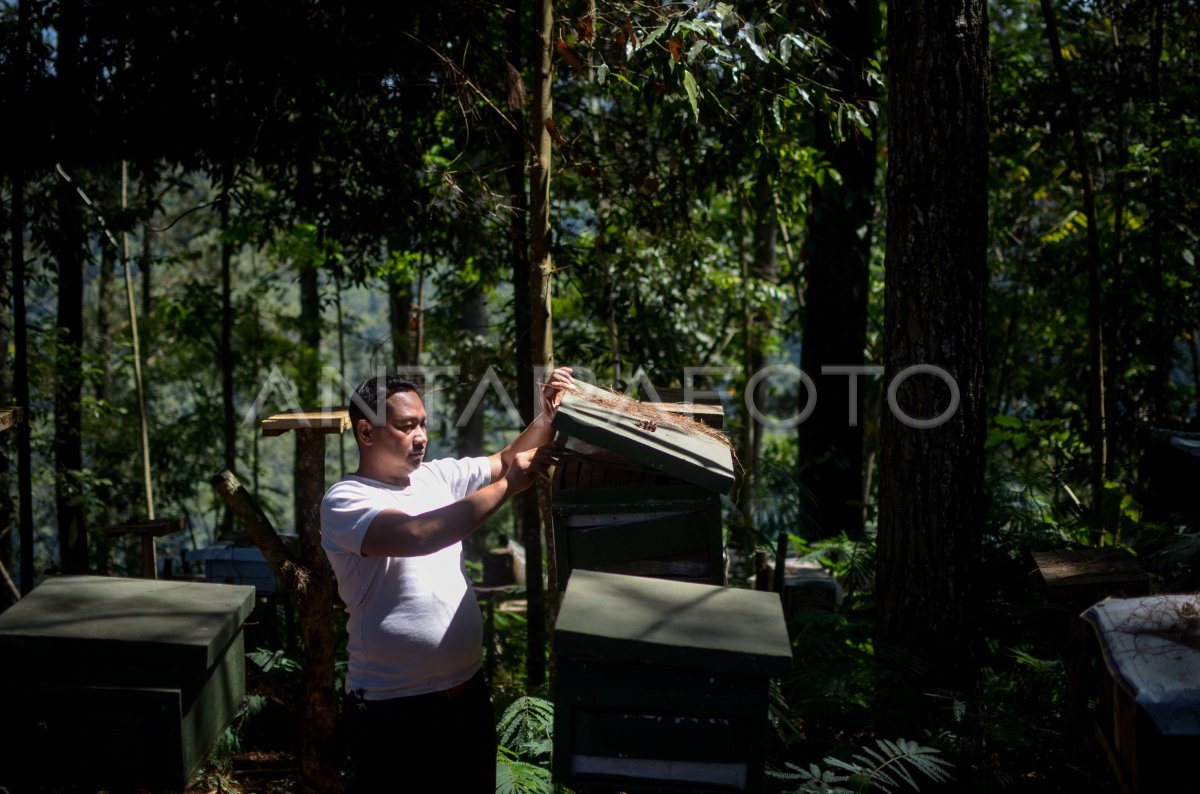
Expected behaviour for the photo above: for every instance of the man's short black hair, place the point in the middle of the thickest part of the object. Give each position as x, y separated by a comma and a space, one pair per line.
366, 400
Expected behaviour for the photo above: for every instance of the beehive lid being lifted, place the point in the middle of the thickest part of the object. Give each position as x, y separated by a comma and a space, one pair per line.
679, 624
594, 416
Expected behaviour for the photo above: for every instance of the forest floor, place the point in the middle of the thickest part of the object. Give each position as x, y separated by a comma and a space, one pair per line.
250, 772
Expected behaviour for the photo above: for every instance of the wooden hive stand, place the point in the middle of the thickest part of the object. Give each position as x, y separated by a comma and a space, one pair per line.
1075, 579
146, 532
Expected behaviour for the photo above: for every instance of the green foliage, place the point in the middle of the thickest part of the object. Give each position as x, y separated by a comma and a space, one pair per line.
525, 736
887, 767
527, 726
229, 743
274, 661
514, 776
851, 561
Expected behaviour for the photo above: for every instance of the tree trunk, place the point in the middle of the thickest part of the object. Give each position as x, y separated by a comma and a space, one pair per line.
761, 265
1097, 416
147, 261
69, 254
537, 290
68, 442
139, 387
1161, 338
310, 586
931, 486
473, 322
400, 302
20, 329
229, 417
9, 593
837, 273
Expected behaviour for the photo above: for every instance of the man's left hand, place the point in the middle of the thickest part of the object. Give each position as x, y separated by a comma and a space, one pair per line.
552, 391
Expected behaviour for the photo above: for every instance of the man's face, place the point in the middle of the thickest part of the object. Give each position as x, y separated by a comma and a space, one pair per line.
398, 447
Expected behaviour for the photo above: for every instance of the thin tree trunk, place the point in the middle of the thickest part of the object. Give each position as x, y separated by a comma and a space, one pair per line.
137, 351
147, 261
931, 479
400, 302
103, 334
528, 521
1119, 351
70, 248
310, 334
229, 419
1162, 339
473, 323
20, 328
9, 593
540, 268
1098, 420
837, 272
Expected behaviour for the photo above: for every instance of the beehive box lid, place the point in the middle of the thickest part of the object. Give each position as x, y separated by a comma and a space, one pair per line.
678, 624
1152, 646
696, 458
112, 621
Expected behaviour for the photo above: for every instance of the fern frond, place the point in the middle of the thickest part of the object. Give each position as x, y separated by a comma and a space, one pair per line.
893, 764
514, 776
527, 724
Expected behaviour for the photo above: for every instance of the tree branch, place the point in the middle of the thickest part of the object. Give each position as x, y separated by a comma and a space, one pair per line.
262, 532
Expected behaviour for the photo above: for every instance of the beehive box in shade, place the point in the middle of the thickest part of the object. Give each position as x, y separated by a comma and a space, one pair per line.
663, 685
110, 681
1147, 671
637, 496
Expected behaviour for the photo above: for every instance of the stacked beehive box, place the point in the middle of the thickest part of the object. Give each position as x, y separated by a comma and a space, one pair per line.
663, 672
118, 682
638, 490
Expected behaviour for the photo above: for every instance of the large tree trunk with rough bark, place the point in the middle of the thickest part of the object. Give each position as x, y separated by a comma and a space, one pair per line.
931, 486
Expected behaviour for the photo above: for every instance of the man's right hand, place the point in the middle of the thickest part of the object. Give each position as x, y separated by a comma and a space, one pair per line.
528, 466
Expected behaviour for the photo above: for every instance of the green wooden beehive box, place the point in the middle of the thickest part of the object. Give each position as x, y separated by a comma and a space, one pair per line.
662, 685
110, 681
637, 496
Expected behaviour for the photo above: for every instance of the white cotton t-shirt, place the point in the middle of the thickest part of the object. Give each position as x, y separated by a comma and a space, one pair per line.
414, 623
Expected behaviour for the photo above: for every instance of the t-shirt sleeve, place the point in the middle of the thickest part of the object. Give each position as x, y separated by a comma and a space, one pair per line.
460, 476
474, 474
346, 512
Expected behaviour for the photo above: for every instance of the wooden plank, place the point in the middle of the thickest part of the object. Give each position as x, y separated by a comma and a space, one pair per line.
326, 420
1103, 571
10, 415
651, 734
660, 537
696, 775
635, 499
156, 528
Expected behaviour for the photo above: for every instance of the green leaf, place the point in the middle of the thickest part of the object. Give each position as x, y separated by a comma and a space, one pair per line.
1189, 257
650, 37
693, 93
1004, 420
754, 39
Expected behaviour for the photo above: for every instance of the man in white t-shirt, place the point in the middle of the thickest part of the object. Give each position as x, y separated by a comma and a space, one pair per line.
418, 713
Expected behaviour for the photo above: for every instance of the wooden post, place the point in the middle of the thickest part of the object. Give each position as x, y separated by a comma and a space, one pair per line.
315, 600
